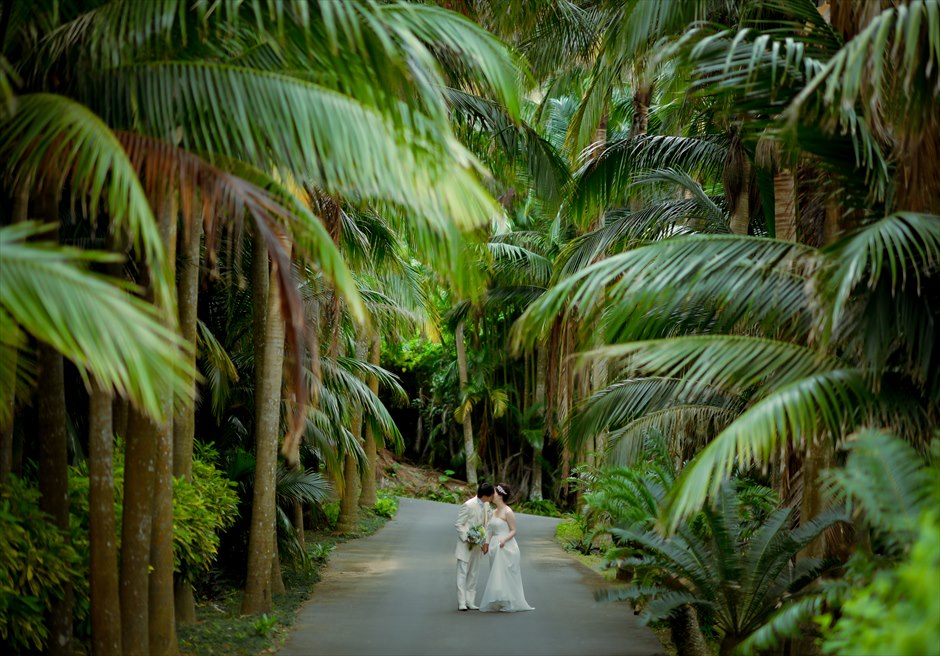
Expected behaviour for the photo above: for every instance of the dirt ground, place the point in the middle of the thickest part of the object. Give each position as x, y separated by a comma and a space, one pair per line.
416, 481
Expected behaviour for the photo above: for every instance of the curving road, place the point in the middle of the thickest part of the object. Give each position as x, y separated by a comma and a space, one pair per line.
394, 593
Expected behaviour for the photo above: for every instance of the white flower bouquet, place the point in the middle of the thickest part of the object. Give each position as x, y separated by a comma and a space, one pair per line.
476, 536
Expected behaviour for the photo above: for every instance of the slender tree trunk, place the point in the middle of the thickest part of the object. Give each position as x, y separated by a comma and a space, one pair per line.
740, 213
348, 520
262, 543
467, 420
299, 523
20, 212
277, 581
785, 205
53, 457
541, 372
566, 389
54, 480
642, 97
184, 421
161, 607
105, 595
162, 621
136, 528
120, 411
369, 497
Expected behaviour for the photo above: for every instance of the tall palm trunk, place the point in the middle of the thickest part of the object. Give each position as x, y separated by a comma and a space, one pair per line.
467, 420
785, 205
162, 621
53, 458
368, 497
348, 519
54, 480
566, 391
541, 372
737, 183
262, 542
642, 98
105, 597
184, 422
136, 528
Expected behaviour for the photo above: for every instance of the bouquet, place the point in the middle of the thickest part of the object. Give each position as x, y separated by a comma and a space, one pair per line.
476, 535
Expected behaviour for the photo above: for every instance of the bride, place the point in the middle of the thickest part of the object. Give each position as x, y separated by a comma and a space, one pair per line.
504, 587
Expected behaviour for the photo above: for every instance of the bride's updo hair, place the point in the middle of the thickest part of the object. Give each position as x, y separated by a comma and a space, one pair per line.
503, 490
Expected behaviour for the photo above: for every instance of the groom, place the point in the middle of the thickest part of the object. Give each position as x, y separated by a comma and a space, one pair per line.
474, 512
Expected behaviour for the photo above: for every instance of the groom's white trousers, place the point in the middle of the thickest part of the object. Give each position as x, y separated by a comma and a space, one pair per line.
468, 573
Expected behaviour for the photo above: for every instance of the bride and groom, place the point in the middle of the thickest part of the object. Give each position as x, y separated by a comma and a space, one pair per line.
489, 533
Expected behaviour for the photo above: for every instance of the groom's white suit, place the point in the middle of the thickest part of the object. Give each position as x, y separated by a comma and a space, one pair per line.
474, 512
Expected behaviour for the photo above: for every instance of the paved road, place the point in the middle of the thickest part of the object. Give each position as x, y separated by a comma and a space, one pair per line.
394, 593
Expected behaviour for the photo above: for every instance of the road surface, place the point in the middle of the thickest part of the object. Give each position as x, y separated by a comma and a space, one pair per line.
394, 594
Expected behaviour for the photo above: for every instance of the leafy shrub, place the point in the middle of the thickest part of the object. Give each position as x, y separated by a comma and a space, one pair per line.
386, 506
898, 614
35, 566
543, 507
200, 510
320, 552
331, 511
264, 625
440, 494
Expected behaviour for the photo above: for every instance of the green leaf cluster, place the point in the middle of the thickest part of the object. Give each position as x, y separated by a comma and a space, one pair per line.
201, 509
898, 613
36, 563
386, 506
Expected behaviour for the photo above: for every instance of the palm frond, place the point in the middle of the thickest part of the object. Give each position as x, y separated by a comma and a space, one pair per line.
93, 320
218, 367
789, 621
728, 362
607, 178
478, 50
901, 246
304, 486
54, 140
315, 133
887, 480
720, 264
902, 43
519, 265
547, 172
819, 401
354, 390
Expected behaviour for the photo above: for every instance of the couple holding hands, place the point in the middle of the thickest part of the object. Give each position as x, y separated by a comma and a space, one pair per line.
485, 532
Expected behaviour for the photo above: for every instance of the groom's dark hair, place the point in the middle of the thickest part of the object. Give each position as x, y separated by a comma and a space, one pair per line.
485, 490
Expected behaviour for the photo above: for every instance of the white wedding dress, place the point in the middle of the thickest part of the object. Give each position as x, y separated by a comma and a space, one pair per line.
504, 587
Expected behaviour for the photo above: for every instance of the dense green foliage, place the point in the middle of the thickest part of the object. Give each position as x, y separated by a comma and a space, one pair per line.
201, 511
35, 562
899, 611
386, 506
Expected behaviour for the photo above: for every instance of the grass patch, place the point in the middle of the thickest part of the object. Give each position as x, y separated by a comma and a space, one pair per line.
221, 629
